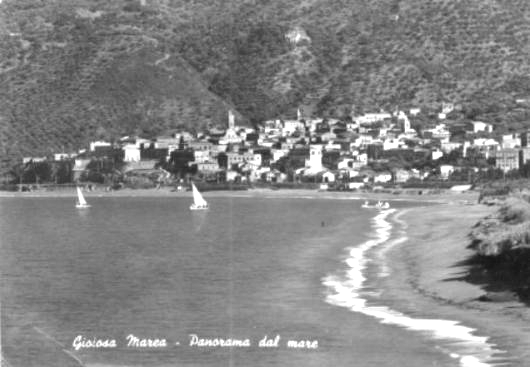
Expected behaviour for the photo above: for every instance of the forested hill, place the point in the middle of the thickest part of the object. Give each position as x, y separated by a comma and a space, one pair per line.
75, 70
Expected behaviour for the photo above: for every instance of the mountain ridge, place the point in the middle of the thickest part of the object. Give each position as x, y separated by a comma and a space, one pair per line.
73, 71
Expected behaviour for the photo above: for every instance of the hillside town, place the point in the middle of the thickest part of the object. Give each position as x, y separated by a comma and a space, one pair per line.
378, 149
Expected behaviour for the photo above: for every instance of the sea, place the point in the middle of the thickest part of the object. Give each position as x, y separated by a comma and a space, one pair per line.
253, 281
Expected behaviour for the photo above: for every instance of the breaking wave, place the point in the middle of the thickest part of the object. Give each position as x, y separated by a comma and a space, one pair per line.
347, 291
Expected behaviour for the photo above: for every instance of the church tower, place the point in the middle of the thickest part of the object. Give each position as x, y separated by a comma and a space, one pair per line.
314, 163
406, 123
231, 120
299, 115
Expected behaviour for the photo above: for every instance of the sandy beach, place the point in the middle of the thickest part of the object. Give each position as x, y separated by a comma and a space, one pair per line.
426, 272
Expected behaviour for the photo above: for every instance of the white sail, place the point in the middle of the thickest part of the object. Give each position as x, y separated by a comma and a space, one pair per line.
81, 202
198, 200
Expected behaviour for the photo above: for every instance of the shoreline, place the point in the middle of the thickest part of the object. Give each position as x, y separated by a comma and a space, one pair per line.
440, 197
360, 288
427, 270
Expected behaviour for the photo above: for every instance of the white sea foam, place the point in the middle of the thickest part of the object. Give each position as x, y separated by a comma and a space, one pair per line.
347, 291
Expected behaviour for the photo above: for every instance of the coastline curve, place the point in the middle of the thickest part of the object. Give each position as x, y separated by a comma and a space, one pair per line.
460, 342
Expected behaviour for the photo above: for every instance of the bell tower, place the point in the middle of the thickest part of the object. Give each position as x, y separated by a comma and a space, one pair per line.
231, 120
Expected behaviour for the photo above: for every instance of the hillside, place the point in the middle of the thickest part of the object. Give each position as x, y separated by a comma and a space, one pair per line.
75, 70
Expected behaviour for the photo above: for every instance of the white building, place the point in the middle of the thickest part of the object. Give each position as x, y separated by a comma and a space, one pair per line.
414, 111
278, 153
511, 141
448, 146
362, 141
330, 146
63, 156
483, 142
401, 116
207, 166
131, 153
314, 163
440, 132
369, 118
383, 177
447, 107
389, 144
351, 126
436, 154
481, 126
297, 35
95, 144
33, 159
328, 177
231, 175
231, 136
313, 123
446, 170
292, 126
486, 146
355, 185
201, 156
249, 158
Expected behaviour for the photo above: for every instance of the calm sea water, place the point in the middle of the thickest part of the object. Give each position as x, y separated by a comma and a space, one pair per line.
150, 267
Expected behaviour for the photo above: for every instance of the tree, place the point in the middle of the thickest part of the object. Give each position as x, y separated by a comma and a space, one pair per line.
64, 172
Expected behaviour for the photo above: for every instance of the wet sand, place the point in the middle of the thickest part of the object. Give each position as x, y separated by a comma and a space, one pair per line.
426, 272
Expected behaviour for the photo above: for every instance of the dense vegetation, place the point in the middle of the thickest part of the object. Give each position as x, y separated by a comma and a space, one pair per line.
502, 244
76, 70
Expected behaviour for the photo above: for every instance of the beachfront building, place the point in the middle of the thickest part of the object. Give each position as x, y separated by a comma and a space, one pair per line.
131, 153
401, 175
208, 166
355, 185
238, 159
328, 177
507, 159
80, 165
382, 177
446, 170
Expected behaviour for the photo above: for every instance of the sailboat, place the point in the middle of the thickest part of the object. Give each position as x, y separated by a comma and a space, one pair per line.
198, 201
81, 202
378, 205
